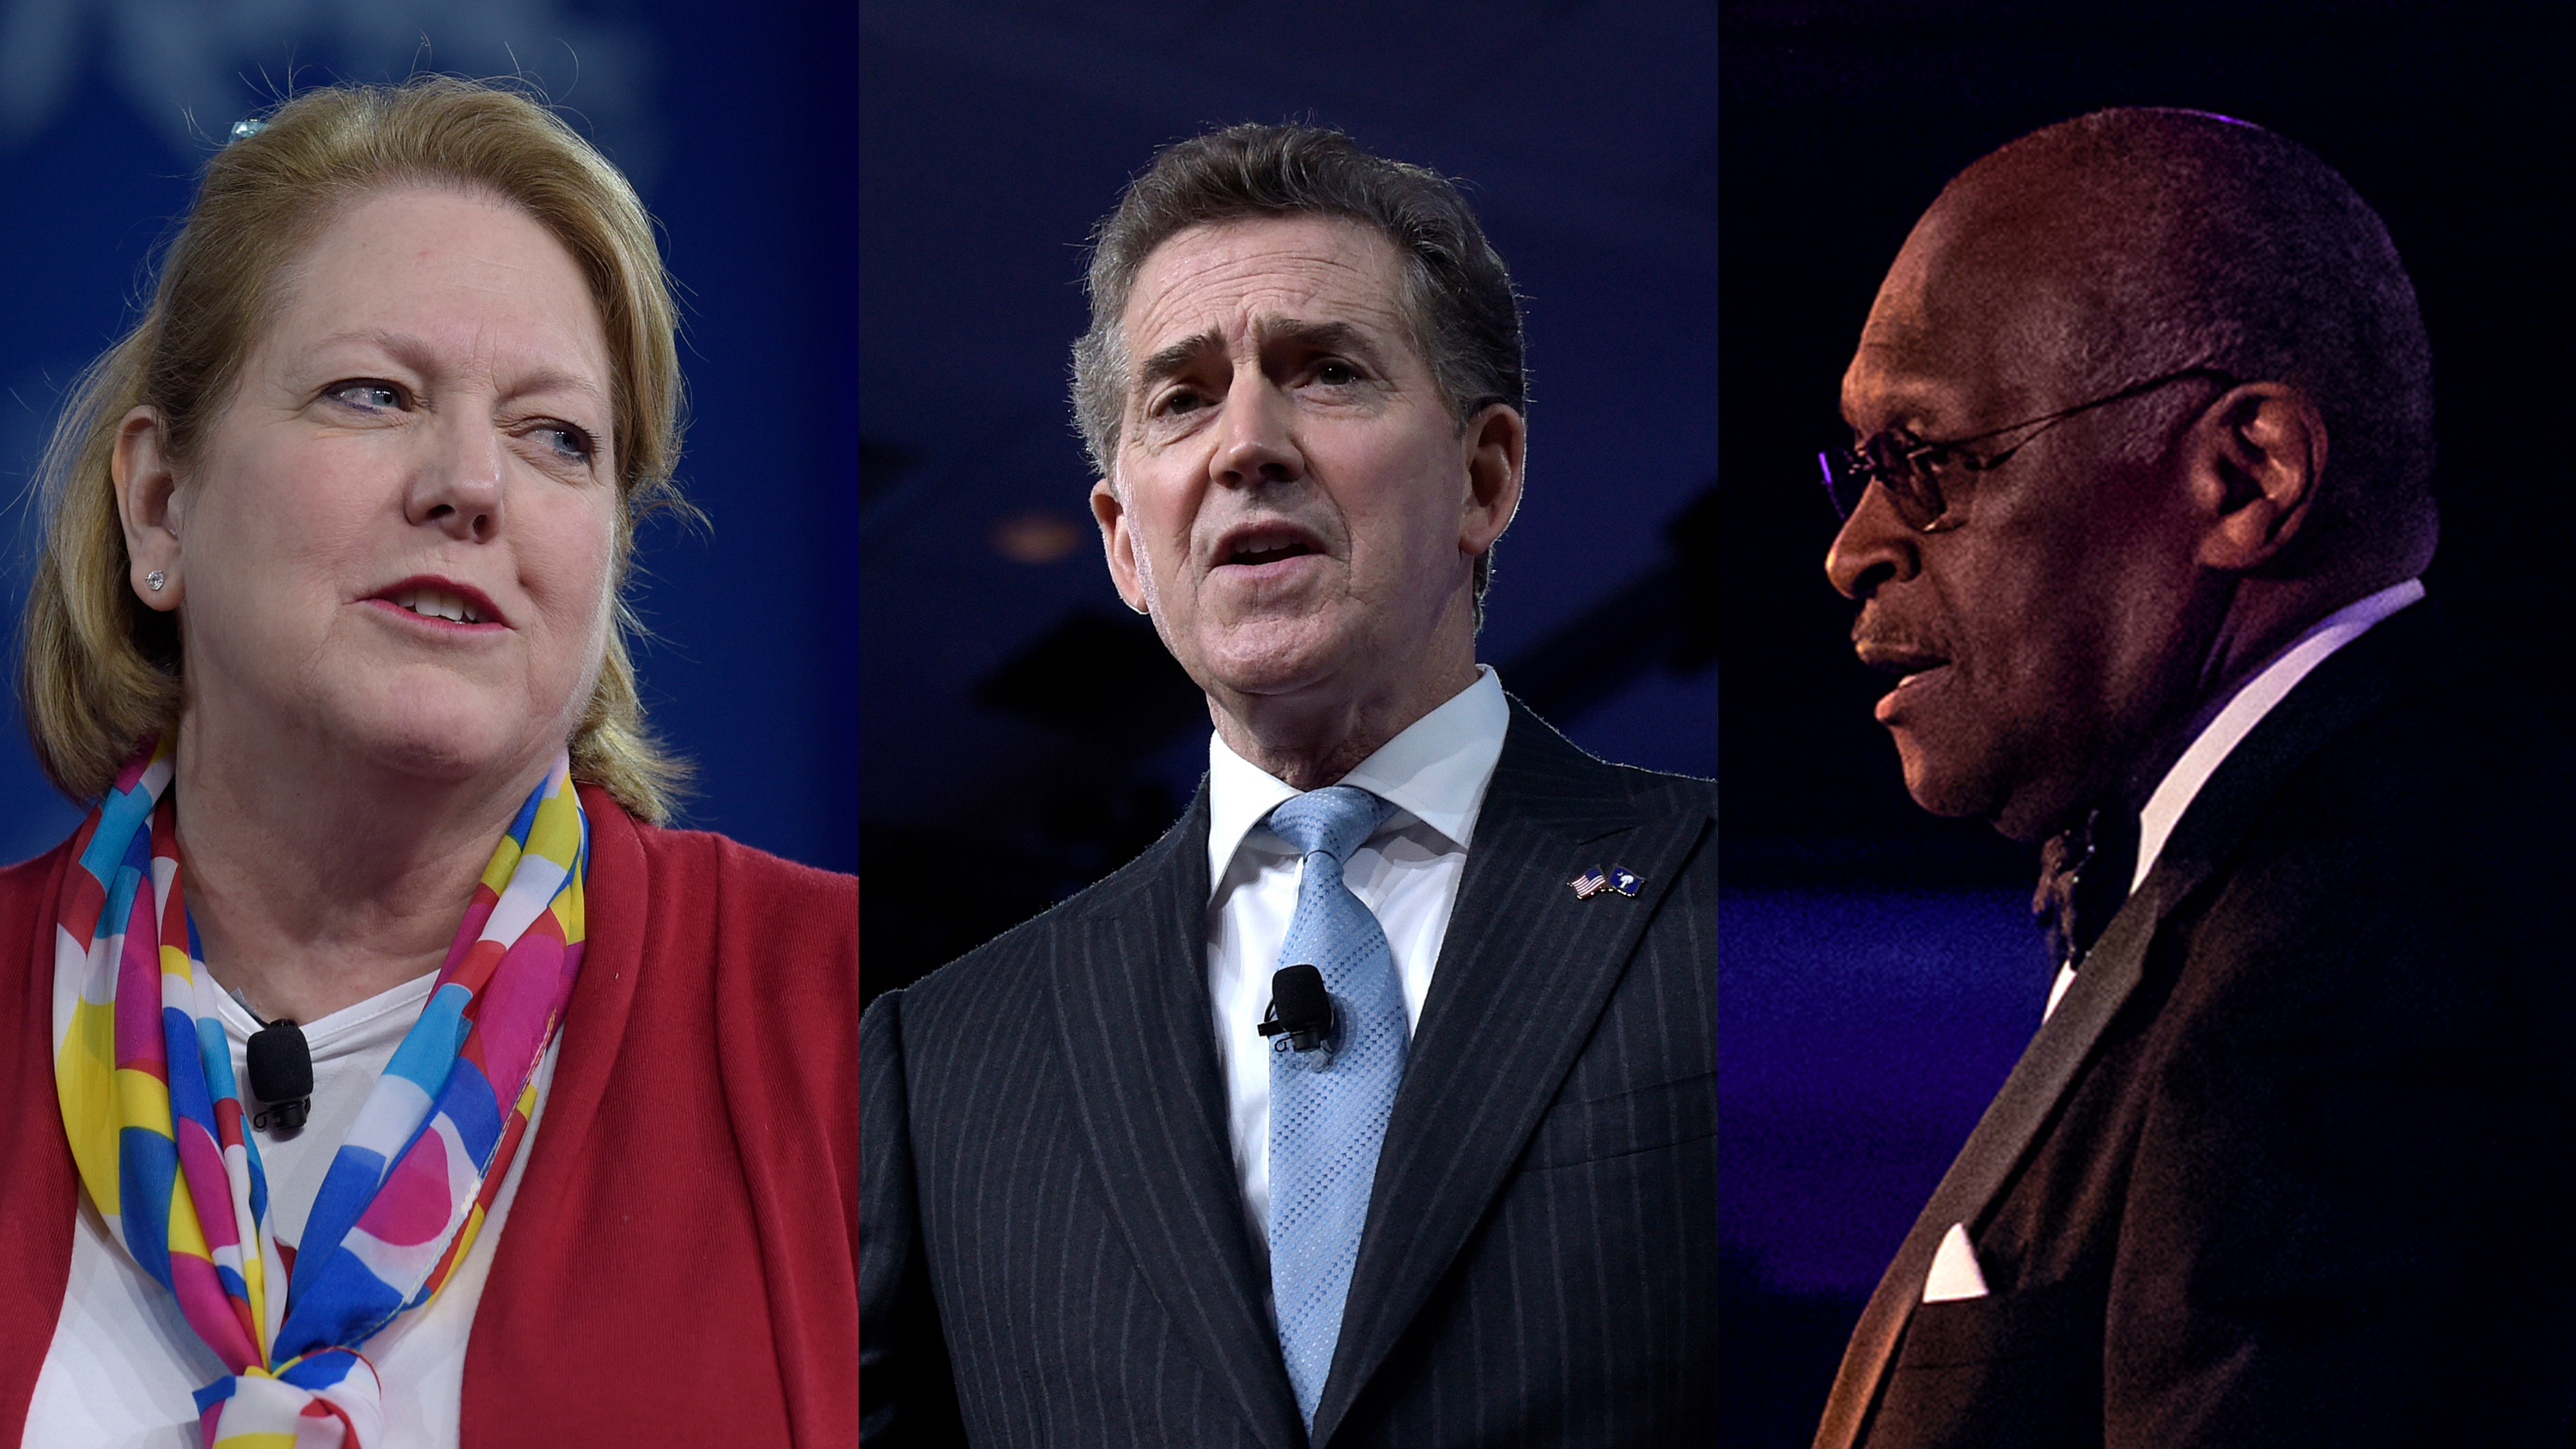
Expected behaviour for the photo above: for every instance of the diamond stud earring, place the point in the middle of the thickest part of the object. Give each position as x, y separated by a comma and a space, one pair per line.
154, 580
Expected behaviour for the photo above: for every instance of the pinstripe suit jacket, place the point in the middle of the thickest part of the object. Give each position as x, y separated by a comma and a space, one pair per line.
1053, 1248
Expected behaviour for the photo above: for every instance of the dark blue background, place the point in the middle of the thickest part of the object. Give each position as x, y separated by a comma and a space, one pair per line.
735, 122
1022, 733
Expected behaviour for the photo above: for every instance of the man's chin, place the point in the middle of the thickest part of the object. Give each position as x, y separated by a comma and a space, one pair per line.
2029, 814
1945, 788
1939, 797
1272, 657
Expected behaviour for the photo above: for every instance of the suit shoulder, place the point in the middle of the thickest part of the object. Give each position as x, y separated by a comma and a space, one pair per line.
1002, 967
2415, 858
1537, 750
1661, 790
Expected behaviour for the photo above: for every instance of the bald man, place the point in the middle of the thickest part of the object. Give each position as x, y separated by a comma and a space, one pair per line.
2136, 512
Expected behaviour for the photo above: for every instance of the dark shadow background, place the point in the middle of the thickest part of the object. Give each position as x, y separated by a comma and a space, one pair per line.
733, 121
1880, 977
1678, 187
1022, 733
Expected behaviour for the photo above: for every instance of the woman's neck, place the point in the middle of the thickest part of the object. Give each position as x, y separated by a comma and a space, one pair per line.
317, 879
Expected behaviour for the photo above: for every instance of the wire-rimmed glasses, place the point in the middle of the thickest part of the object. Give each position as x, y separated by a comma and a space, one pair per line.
1910, 468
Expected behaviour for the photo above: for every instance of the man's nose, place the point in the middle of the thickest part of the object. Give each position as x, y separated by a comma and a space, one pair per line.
1873, 548
1256, 442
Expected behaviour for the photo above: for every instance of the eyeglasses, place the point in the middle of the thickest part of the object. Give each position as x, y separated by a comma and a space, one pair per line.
1910, 468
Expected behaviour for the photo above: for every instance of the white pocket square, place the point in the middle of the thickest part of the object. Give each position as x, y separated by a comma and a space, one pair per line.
1955, 1274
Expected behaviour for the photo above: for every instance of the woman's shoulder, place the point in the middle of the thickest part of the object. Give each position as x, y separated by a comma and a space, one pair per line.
687, 925
704, 865
701, 904
29, 887
750, 893
29, 900
741, 872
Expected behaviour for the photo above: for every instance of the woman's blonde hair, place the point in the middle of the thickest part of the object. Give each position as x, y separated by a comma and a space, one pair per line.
97, 671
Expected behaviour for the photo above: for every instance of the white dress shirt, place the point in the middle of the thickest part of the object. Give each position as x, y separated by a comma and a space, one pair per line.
124, 1363
2236, 719
1435, 774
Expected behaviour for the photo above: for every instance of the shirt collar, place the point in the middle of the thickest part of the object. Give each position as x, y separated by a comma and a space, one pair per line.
2237, 718
1435, 771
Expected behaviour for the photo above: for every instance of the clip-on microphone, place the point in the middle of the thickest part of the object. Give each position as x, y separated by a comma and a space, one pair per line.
1300, 1009
281, 1072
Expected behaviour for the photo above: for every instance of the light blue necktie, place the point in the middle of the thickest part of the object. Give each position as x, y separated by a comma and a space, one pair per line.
1328, 1111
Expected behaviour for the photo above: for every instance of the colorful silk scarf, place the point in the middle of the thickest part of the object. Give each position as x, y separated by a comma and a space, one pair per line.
156, 1121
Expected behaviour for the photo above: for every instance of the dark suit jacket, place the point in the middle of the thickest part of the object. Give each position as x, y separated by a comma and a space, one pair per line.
1053, 1225
2288, 1163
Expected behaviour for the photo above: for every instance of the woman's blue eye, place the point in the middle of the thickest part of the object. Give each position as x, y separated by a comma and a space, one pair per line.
369, 394
567, 440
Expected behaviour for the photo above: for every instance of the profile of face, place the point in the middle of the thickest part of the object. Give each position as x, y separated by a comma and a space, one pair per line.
1293, 499
395, 541
2039, 640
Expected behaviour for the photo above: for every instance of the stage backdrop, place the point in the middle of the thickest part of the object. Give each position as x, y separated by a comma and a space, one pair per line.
736, 123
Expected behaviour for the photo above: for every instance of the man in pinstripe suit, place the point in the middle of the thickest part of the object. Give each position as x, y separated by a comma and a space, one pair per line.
1303, 388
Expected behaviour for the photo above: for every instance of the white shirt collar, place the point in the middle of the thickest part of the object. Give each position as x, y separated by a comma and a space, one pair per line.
2237, 718
1435, 771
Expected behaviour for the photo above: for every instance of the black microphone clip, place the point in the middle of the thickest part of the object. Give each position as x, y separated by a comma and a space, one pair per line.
1301, 1010
281, 1075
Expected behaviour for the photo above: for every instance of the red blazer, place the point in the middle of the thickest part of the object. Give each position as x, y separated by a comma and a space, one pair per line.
679, 1266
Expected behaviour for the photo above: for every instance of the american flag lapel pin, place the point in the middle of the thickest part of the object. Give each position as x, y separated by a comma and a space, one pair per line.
1625, 881
1589, 884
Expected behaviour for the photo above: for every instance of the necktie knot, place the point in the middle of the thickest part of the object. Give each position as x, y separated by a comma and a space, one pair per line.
1334, 821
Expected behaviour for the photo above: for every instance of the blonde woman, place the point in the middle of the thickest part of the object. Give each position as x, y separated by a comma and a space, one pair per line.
383, 1074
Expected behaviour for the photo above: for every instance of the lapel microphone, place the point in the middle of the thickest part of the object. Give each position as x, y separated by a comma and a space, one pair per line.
1300, 1009
281, 1072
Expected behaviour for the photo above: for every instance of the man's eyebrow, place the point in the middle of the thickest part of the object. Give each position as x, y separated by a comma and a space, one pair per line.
1340, 337
1320, 337
1178, 358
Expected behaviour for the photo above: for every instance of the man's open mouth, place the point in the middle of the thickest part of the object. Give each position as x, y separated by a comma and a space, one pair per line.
1269, 544
1263, 553
1903, 660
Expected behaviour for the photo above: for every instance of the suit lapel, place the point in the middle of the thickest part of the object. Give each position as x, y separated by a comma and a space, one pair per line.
1525, 968
2350, 684
2011, 1123
1132, 1024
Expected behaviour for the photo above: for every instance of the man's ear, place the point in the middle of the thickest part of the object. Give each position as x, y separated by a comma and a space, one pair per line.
147, 484
1495, 443
2259, 453
1119, 543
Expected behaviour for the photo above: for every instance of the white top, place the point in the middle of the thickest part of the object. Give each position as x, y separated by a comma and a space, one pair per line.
2236, 719
124, 1363
1435, 773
